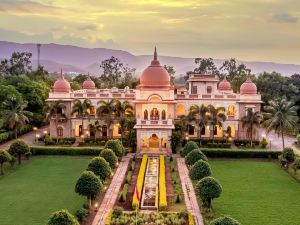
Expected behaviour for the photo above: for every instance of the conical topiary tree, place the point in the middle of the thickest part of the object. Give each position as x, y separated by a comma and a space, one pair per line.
88, 185
194, 156
200, 170
110, 157
100, 167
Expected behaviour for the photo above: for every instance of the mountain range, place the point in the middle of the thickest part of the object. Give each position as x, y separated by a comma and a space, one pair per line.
73, 59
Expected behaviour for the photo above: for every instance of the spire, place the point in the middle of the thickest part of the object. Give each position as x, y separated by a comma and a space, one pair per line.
88, 76
155, 54
61, 73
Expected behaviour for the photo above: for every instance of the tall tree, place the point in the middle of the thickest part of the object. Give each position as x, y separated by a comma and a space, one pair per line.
201, 117
14, 114
205, 66
106, 111
171, 70
18, 64
123, 110
54, 110
232, 69
81, 109
215, 116
251, 121
280, 116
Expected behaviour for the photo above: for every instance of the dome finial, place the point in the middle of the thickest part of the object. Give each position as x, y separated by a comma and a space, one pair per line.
155, 54
61, 73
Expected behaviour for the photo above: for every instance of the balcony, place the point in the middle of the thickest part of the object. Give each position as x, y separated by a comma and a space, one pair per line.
154, 123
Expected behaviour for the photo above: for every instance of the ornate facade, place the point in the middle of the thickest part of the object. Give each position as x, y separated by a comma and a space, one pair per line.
158, 104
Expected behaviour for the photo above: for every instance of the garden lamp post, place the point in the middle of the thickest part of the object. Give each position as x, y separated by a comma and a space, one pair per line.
37, 136
270, 143
35, 130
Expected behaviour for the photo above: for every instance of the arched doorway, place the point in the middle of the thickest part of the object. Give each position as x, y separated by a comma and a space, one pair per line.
154, 142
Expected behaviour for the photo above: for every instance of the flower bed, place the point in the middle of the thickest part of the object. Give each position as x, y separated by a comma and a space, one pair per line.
162, 184
140, 182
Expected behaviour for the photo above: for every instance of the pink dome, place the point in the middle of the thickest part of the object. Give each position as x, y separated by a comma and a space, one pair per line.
248, 87
61, 84
88, 83
224, 85
155, 75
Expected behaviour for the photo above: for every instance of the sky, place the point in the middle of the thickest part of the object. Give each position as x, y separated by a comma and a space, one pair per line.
253, 30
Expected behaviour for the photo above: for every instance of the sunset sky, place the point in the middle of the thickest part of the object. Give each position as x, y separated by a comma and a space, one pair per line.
261, 30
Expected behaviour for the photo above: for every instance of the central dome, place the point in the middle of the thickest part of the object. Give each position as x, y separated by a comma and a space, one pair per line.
155, 75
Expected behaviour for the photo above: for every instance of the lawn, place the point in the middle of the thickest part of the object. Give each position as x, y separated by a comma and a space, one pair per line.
39, 187
257, 193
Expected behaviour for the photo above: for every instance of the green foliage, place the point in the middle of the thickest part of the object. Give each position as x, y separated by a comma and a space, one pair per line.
298, 139
81, 214
200, 170
128, 178
12, 161
224, 220
4, 157
100, 167
227, 153
175, 140
88, 185
288, 154
123, 194
193, 156
65, 150
251, 121
18, 148
110, 157
296, 165
27, 155
189, 146
207, 189
62, 217
117, 212
264, 143
116, 146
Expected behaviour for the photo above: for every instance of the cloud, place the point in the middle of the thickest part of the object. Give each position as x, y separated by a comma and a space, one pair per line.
285, 18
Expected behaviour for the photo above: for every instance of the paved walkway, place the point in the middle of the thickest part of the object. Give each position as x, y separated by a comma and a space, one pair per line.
112, 192
29, 138
189, 192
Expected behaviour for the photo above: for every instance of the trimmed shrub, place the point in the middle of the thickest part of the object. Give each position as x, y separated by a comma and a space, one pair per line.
12, 161
100, 167
88, 185
200, 170
81, 214
116, 146
189, 146
236, 153
27, 155
18, 148
288, 154
224, 220
140, 181
117, 212
264, 143
162, 184
62, 217
296, 165
65, 151
207, 189
4, 157
194, 156
110, 157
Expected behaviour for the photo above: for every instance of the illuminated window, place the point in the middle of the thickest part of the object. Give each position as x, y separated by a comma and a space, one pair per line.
154, 115
146, 115
231, 110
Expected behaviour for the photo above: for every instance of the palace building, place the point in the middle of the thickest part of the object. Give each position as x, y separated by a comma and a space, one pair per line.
158, 104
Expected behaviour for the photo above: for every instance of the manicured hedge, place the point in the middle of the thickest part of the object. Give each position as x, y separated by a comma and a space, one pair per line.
140, 182
231, 153
65, 151
9, 135
162, 184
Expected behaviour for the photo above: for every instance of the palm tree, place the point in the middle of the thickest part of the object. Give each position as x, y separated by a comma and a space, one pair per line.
200, 116
107, 111
215, 117
81, 109
14, 114
95, 127
280, 116
251, 121
123, 110
55, 110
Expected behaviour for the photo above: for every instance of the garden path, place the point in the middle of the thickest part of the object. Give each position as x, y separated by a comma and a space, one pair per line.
112, 192
28, 138
189, 192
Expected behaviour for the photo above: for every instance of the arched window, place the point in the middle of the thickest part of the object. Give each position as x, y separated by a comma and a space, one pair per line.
163, 114
146, 114
154, 115
231, 110
60, 132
